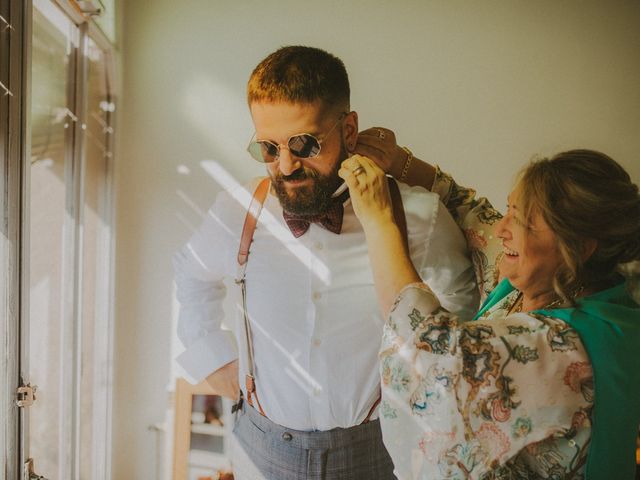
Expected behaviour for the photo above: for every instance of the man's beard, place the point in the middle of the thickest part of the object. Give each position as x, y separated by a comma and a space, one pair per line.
310, 199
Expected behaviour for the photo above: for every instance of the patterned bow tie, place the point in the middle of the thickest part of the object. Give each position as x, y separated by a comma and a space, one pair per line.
331, 220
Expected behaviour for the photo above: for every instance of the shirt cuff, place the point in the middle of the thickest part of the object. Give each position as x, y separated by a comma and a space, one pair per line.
441, 183
207, 355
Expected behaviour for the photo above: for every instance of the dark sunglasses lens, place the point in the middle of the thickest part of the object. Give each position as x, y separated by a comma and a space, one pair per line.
264, 151
304, 146
269, 150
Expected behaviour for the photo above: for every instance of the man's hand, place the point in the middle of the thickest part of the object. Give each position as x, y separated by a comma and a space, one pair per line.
379, 144
224, 381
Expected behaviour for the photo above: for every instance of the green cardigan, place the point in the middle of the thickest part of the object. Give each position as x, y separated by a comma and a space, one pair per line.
608, 324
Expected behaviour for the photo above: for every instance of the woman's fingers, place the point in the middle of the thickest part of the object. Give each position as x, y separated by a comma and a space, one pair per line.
378, 136
378, 144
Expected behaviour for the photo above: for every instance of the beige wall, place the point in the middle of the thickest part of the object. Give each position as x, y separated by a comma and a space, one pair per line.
477, 87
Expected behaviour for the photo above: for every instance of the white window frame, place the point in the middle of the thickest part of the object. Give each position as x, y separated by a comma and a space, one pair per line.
14, 263
14, 71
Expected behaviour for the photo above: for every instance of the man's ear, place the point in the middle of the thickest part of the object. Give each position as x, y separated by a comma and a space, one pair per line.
350, 131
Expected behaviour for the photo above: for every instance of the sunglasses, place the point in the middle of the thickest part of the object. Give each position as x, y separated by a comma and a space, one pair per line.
302, 145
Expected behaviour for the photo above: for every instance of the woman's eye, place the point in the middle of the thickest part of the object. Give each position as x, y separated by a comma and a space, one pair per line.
520, 223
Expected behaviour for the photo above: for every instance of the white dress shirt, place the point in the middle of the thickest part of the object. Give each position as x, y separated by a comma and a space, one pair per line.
311, 302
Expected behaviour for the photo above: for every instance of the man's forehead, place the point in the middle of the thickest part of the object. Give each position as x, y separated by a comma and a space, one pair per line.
283, 119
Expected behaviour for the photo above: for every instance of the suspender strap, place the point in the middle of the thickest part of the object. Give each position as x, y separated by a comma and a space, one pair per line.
250, 222
373, 408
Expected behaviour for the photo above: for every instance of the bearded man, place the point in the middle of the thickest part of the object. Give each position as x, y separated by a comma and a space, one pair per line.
307, 327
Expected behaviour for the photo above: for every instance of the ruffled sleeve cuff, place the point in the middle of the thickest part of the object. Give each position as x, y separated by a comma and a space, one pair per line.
415, 295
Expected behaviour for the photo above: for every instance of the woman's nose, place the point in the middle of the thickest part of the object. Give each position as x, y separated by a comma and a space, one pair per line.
502, 228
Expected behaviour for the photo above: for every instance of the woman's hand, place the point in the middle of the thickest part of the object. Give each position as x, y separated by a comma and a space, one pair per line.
369, 191
379, 144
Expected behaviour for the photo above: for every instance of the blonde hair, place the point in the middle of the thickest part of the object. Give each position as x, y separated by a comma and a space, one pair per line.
586, 198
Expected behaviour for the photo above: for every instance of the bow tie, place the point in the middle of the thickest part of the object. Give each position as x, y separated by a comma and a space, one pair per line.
331, 220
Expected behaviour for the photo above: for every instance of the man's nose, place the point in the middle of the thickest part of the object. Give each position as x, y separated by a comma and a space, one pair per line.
288, 163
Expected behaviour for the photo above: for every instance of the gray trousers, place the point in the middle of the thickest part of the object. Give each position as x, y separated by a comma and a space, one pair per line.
266, 450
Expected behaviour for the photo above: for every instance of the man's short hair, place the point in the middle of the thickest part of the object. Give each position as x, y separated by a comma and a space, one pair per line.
298, 74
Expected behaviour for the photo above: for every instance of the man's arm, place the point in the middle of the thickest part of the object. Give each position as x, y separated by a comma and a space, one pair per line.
224, 381
210, 352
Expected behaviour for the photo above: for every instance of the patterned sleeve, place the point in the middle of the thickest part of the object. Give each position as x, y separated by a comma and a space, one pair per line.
477, 219
464, 399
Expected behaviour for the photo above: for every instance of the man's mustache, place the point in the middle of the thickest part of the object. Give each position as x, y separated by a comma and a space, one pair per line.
299, 174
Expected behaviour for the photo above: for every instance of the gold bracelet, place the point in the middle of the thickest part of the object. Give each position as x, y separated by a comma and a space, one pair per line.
407, 163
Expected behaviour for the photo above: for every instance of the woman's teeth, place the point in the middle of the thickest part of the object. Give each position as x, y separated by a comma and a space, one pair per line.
510, 252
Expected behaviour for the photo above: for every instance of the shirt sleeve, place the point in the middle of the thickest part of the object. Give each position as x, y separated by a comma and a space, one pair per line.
462, 398
477, 218
199, 272
446, 267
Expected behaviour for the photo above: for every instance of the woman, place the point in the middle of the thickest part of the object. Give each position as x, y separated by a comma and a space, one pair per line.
545, 383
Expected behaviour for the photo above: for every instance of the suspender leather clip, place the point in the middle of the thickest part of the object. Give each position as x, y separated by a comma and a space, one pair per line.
238, 405
250, 384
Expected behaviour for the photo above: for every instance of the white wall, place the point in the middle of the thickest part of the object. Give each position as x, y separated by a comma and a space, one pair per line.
477, 87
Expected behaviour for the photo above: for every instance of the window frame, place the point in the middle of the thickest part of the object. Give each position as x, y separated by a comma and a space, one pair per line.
15, 152
14, 140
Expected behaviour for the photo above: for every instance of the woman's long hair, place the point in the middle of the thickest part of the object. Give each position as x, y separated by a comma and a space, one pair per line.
587, 199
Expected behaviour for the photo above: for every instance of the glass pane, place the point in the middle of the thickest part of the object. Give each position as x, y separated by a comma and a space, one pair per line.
107, 20
94, 332
48, 216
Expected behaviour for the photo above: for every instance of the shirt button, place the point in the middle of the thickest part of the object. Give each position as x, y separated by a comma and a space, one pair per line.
318, 246
286, 436
317, 342
317, 295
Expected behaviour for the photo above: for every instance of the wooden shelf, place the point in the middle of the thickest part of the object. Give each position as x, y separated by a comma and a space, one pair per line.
185, 459
208, 429
205, 459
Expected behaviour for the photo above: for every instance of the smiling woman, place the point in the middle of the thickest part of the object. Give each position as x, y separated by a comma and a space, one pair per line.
530, 253
545, 381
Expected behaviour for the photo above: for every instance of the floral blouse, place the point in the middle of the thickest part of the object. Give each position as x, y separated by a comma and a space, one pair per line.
508, 396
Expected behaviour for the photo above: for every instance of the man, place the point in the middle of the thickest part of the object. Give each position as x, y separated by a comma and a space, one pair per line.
314, 325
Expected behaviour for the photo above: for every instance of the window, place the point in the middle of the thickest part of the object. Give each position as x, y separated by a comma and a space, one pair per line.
56, 202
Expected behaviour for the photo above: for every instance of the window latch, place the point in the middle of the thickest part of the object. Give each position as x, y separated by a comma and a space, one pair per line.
29, 474
26, 395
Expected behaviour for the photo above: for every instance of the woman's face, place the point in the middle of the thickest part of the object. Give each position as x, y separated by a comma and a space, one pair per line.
531, 255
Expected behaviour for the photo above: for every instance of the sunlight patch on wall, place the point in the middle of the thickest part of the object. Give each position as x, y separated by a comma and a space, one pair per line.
216, 111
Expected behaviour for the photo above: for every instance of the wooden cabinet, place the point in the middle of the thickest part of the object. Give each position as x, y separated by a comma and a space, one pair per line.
202, 428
